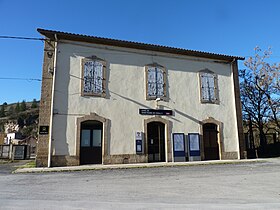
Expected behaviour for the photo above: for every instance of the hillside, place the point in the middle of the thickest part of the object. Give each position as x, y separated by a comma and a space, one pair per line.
25, 114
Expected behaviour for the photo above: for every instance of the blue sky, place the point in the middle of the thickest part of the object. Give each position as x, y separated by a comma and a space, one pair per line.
219, 26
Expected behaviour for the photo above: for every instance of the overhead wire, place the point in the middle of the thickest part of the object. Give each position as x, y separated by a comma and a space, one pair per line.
17, 78
22, 38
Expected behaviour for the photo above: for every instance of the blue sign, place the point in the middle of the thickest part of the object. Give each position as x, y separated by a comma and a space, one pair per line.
139, 146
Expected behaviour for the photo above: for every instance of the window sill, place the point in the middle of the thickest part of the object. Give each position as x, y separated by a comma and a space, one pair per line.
210, 102
153, 98
102, 95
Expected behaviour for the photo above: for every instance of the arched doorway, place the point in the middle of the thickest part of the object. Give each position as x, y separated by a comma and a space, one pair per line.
91, 142
156, 141
210, 141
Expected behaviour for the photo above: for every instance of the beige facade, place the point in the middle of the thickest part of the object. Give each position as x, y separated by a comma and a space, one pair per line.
125, 86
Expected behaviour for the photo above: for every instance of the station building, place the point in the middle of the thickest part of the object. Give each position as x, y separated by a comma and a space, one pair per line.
107, 101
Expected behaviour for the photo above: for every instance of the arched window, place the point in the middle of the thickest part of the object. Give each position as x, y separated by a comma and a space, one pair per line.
208, 87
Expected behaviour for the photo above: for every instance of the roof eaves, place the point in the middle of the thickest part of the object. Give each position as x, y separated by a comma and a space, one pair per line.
136, 45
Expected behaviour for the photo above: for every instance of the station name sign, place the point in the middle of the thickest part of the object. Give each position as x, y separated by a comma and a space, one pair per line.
155, 112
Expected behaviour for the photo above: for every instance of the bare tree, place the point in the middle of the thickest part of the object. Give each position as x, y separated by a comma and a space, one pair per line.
260, 94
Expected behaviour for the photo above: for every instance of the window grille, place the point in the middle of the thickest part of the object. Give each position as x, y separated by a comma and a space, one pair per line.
155, 82
93, 77
209, 91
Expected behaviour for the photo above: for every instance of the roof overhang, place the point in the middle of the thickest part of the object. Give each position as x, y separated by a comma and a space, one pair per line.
52, 35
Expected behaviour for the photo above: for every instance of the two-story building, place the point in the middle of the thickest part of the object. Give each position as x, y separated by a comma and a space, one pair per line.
98, 94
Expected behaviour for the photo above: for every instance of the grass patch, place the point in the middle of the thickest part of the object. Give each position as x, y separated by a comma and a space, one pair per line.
30, 164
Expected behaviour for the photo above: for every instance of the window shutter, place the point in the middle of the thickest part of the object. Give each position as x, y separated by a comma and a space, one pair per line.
204, 89
151, 81
159, 82
88, 76
98, 77
93, 83
211, 87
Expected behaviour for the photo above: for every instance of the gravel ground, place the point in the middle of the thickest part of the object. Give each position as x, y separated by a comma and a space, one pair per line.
230, 186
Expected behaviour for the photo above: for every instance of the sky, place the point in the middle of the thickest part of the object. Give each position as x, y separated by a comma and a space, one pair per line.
217, 26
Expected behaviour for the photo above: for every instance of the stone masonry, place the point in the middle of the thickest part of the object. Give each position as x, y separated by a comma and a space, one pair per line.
45, 104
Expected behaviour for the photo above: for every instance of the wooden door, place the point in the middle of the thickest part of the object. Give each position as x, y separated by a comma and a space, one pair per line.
91, 143
210, 142
156, 142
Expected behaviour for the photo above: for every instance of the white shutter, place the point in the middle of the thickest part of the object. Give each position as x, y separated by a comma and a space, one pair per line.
211, 87
88, 76
151, 81
160, 82
204, 88
98, 77
208, 89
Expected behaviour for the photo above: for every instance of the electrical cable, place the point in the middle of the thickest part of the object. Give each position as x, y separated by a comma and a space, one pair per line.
17, 78
24, 38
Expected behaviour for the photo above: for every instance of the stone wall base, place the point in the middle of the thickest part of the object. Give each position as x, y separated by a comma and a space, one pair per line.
42, 161
126, 158
229, 155
65, 160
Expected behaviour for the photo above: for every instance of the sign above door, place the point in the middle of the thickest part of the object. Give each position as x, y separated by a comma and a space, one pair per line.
155, 112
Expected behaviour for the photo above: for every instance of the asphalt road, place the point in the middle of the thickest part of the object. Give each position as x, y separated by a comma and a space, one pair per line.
229, 186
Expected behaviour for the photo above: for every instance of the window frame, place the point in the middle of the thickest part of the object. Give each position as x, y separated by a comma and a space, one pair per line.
104, 90
155, 65
216, 99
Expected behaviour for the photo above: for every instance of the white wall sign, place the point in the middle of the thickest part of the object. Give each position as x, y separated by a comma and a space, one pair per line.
138, 135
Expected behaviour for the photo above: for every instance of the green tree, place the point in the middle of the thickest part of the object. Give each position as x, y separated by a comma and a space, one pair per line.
11, 110
2, 111
22, 106
17, 109
34, 104
21, 121
1, 127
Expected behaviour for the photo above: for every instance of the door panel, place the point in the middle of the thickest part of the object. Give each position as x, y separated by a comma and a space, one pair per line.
156, 142
210, 141
91, 143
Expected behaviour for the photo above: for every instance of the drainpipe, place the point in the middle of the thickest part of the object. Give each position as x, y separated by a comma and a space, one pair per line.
52, 101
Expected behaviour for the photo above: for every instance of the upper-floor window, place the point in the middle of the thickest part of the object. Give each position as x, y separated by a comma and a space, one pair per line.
93, 74
208, 87
155, 82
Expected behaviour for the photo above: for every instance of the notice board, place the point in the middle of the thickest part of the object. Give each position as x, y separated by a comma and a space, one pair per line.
194, 144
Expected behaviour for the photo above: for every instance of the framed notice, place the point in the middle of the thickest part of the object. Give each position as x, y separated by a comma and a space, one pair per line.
179, 144
194, 144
